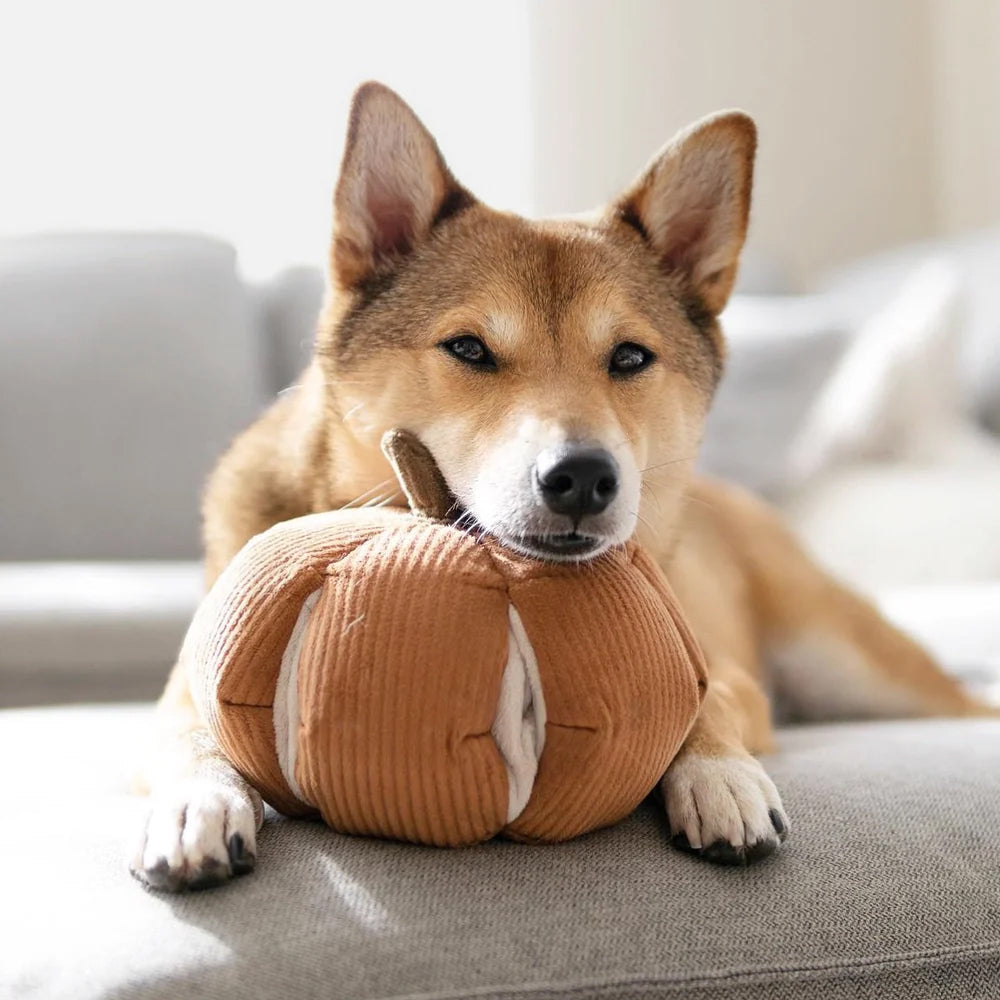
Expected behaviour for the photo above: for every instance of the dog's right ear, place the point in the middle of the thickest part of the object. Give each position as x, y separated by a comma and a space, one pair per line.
394, 188
692, 203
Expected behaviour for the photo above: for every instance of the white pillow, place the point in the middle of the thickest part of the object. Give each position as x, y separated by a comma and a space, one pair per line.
781, 351
891, 524
896, 486
958, 624
860, 287
895, 394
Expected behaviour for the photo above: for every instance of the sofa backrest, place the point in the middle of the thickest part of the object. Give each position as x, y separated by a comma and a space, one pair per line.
127, 363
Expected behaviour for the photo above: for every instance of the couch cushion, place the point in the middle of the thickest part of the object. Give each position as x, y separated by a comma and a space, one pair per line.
129, 361
87, 631
895, 524
863, 286
957, 623
289, 305
781, 350
887, 888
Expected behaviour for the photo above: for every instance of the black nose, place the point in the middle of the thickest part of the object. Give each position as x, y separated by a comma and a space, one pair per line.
577, 481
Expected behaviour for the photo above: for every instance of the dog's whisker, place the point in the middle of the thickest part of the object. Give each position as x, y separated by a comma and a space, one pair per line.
651, 493
361, 497
673, 461
387, 501
467, 523
669, 476
689, 498
675, 481
687, 495
464, 523
350, 413
644, 520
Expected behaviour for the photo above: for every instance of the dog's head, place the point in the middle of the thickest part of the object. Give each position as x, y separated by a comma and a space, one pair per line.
559, 371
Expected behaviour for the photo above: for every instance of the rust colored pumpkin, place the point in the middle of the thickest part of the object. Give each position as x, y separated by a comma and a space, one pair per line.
404, 679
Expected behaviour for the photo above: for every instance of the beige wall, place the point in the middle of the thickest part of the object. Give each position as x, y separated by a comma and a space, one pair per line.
966, 74
868, 110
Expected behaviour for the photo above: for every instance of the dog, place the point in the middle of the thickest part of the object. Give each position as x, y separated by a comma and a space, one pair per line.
560, 372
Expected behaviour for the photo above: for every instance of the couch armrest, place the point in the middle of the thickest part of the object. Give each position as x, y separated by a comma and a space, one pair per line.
127, 362
72, 632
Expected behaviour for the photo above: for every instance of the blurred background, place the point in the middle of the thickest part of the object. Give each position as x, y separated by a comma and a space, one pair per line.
879, 119
165, 209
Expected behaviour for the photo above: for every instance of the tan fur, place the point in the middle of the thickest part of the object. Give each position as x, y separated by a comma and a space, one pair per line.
415, 260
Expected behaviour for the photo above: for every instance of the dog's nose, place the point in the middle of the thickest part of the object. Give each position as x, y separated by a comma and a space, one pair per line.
578, 481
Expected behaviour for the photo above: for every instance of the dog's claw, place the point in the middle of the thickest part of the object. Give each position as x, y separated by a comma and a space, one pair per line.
197, 835
240, 858
728, 806
778, 822
721, 852
210, 874
156, 876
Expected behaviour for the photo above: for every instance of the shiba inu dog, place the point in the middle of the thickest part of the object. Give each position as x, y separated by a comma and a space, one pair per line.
560, 371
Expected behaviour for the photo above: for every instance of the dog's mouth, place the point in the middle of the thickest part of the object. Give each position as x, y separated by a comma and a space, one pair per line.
553, 546
564, 546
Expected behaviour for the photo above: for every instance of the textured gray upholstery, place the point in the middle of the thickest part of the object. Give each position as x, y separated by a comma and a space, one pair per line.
289, 304
888, 888
127, 362
89, 631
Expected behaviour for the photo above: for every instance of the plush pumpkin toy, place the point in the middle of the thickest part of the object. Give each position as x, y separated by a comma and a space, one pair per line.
403, 678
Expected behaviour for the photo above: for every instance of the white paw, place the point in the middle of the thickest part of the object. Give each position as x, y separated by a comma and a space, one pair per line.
724, 809
196, 834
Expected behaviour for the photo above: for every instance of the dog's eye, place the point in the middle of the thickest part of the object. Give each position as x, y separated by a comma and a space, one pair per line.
471, 351
629, 358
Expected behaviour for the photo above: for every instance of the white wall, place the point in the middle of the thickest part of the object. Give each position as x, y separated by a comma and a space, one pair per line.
228, 116
966, 75
879, 119
840, 92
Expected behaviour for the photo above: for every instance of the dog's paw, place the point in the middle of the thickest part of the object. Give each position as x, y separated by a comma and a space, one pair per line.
723, 809
196, 835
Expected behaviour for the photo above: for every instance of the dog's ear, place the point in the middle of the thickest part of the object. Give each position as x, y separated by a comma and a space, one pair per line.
394, 187
692, 203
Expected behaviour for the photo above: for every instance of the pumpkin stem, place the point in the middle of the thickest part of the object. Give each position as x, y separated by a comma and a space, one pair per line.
418, 474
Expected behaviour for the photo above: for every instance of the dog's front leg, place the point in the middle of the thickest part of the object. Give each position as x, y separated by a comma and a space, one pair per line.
200, 823
720, 803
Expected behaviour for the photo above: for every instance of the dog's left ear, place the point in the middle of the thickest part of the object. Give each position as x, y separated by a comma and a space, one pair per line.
394, 187
692, 203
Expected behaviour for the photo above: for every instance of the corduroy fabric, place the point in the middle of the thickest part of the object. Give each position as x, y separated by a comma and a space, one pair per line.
398, 687
620, 692
400, 668
234, 644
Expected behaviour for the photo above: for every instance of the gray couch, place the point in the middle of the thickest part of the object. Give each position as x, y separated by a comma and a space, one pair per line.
889, 887
126, 362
